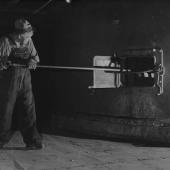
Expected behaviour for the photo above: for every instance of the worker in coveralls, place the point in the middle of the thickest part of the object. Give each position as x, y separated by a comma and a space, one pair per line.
15, 85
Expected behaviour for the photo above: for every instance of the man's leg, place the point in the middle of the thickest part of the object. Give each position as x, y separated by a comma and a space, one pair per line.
27, 115
8, 92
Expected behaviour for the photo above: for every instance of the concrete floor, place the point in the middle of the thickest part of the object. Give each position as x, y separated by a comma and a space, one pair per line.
71, 153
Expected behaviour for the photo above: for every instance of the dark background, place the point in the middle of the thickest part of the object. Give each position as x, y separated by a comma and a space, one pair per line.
71, 34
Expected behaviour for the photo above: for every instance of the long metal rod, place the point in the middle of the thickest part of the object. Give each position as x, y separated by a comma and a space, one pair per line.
113, 69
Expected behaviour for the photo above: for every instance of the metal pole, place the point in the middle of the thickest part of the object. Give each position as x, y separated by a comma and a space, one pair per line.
112, 69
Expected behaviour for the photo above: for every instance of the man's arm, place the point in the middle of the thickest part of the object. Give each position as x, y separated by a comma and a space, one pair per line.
34, 58
34, 54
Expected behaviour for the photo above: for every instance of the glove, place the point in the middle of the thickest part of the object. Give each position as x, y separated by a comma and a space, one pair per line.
4, 64
32, 64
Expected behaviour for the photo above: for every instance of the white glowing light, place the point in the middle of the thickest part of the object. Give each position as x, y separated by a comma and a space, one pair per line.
68, 1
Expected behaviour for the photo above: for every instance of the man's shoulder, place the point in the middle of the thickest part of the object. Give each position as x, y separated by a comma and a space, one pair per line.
5, 39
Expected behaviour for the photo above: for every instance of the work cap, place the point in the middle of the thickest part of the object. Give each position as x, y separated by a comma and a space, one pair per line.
22, 26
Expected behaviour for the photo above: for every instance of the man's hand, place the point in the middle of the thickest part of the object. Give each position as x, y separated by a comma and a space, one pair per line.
4, 64
32, 64
2, 67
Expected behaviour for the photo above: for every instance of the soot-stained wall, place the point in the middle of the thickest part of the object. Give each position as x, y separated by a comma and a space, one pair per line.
72, 34
88, 28
82, 30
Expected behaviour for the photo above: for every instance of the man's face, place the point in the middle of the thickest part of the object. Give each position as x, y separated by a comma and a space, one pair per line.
25, 37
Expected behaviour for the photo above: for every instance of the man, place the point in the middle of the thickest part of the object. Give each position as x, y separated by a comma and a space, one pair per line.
15, 85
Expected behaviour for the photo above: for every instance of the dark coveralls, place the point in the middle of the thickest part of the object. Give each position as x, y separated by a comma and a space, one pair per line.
16, 89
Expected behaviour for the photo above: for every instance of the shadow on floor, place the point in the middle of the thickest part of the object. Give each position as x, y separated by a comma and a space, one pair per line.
138, 142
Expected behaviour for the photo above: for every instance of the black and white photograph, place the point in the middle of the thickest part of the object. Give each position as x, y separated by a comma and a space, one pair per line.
84, 85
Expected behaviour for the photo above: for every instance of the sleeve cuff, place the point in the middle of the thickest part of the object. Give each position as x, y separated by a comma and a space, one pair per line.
36, 58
